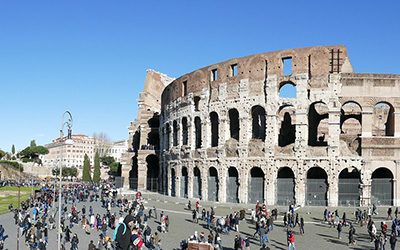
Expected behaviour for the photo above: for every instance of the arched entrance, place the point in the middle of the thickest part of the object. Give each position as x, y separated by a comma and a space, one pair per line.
285, 187
232, 186
184, 183
196, 183
256, 185
153, 171
317, 187
382, 187
173, 182
349, 187
213, 185
133, 174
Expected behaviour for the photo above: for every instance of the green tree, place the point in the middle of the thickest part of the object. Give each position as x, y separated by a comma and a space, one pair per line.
13, 149
2, 153
33, 143
32, 153
115, 169
107, 160
96, 171
86, 169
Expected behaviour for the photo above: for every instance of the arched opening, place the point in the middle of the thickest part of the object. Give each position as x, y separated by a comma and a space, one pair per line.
185, 134
234, 125
256, 185
382, 187
258, 122
184, 182
349, 187
133, 174
196, 100
197, 128
153, 137
196, 183
136, 141
285, 187
167, 135
153, 171
175, 133
214, 129
317, 187
318, 129
287, 132
213, 184
383, 121
287, 90
173, 182
350, 126
232, 185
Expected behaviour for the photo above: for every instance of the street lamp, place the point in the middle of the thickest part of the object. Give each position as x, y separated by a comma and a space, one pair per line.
66, 120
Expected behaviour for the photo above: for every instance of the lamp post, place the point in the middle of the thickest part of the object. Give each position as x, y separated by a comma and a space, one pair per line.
66, 120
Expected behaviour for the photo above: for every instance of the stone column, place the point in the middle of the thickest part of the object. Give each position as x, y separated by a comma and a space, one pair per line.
204, 183
300, 188
397, 122
333, 186
142, 174
169, 176
191, 133
269, 188
178, 173
222, 175
224, 133
179, 132
366, 175
367, 121
396, 188
190, 181
243, 188
205, 132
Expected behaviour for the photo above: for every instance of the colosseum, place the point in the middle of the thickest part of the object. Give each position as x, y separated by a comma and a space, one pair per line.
295, 126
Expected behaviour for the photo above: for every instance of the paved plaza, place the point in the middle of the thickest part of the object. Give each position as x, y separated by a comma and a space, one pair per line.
317, 234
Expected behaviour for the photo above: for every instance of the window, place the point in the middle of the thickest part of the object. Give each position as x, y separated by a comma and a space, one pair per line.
196, 103
214, 74
234, 69
184, 88
287, 66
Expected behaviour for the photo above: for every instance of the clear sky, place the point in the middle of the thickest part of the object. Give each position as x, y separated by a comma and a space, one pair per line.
90, 57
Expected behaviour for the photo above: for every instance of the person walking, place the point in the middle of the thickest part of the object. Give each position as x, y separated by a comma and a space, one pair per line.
291, 241
301, 226
389, 214
339, 229
392, 241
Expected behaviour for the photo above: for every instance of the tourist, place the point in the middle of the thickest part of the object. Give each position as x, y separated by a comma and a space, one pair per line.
291, 240
301, 225
339, 229
74, 242
91, 246
393, 240
389, 214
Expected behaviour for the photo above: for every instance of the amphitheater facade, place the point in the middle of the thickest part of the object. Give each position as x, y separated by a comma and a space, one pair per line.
293, 126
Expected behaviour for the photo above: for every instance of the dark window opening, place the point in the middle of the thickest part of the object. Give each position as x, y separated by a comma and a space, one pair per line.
185, 135
196, 103
234, 70
383, 121
153, 171
287, 66
214, 129
318, 126
197, 128
234, 124
258, 122
214, 75
175, 134
168, 134
184, 88
287, 133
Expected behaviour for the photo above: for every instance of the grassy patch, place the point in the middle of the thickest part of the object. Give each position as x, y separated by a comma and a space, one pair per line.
11, 197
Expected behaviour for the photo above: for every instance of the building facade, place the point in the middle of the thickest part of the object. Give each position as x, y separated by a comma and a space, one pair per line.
230, 133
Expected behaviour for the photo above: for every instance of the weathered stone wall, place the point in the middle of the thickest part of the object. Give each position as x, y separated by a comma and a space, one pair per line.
300, 133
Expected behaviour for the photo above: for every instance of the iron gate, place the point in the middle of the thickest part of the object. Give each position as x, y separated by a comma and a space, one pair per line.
173, 185
382, 191
152, 184
349, 192
133, 183
256, 189
184, 186
212, 188
317, 192
285, 191
232, 189
196, 187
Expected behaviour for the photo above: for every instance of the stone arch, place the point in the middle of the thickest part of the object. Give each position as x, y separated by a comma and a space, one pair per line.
349, 187
234, 124
214, 120
184, 182
258, 122
213, 184
133, 174
317, 187
287, 89
382, 186
285, 187
287, 132
197, 187
383, 119
256, 185
197, 129
318, 130
351, 126
232, 185
153, 172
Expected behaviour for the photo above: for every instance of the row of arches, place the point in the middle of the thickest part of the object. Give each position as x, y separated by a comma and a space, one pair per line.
318, 125
349, 186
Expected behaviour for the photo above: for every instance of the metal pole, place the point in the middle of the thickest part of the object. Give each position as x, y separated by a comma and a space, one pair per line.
59, 206
19, 206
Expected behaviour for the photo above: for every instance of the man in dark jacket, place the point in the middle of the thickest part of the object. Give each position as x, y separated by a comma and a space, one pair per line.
123, 237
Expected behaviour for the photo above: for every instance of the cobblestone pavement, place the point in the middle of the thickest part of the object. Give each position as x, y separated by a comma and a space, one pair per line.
318, 235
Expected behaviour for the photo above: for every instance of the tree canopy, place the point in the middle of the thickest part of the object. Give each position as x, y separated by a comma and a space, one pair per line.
2, 153
96, 171
86, 177
32, 153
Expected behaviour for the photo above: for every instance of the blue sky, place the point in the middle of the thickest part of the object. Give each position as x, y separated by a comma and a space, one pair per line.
90, 57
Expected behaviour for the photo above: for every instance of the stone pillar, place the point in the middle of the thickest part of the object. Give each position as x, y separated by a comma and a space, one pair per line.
179, 132
300, 189
190, 181
206, 132
333, 185
178, 173
125, 175
224, 132
191, 133
269, 189
366, 175
271, 133
245, 127
396, 186
142, 174
222, 175
367, 121
334, 116
169, 184
397, 123
204, 183
244, 184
